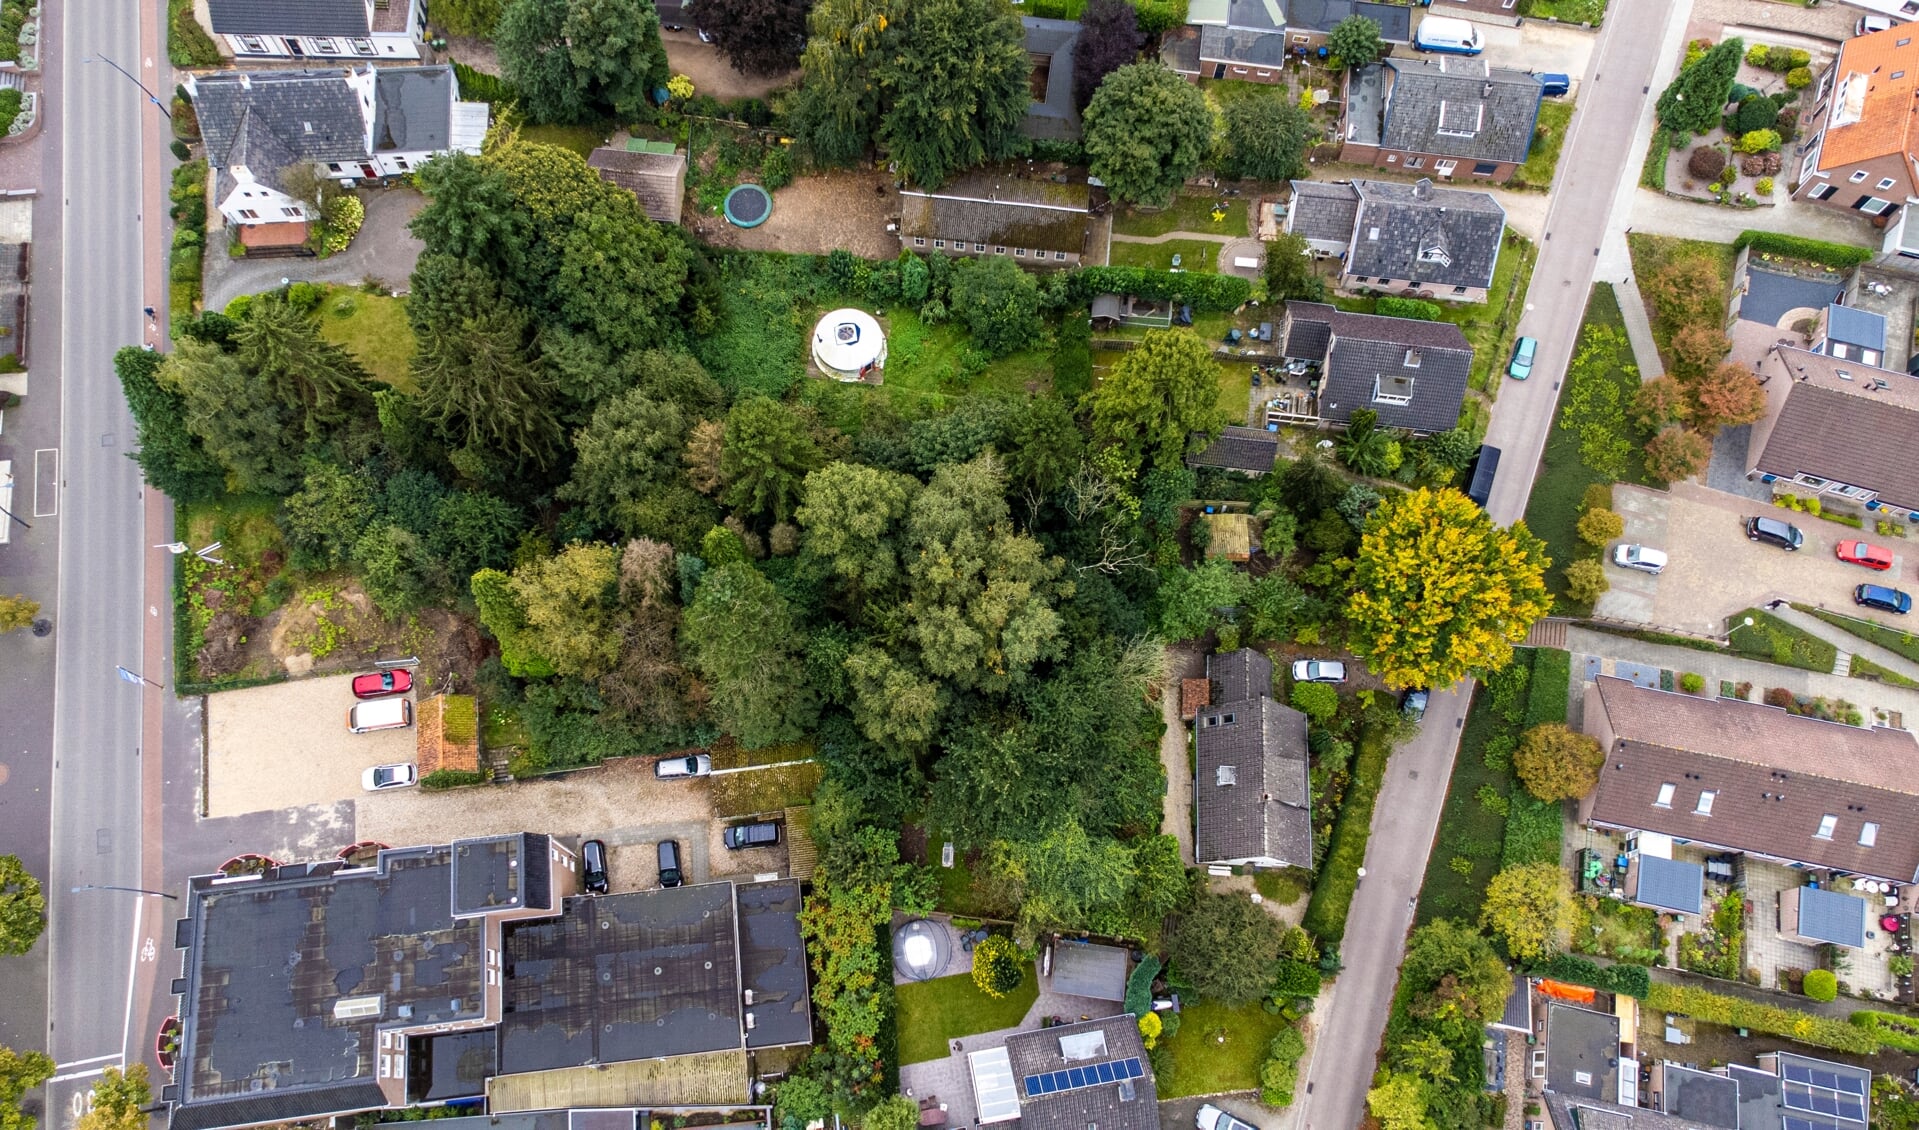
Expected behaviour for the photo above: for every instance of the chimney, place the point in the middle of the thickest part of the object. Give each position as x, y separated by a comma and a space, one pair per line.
1486, 90
1423, 189
246, 81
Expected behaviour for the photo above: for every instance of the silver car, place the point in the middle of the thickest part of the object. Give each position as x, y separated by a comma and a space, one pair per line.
389, 777
1211, 1117
672, 768
1640, 557
1318, 671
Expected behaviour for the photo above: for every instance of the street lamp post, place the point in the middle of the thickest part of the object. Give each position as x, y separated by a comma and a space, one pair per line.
129, 890
151, 96
135, 677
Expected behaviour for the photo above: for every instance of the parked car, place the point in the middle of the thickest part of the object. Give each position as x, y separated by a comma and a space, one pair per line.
670, 863
1318, 671
1862, 553
1554, 85
1522, 366
1641, 557
1211, 1117
389, 777
751, 835
696, 765
380, 714
593, 874
1869, 24
1882, 598
1785, 535
1413, 703
379, 684
1479, 486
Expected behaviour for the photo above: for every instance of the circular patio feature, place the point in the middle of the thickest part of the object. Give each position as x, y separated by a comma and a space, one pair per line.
849, 345
921, 950
748, 206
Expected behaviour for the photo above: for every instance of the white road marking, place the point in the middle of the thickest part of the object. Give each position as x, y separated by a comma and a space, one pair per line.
90, 1059
133, 963
147, 951
82, 1074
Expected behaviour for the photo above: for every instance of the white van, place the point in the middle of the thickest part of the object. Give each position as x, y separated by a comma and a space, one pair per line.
1448, 35
379, 714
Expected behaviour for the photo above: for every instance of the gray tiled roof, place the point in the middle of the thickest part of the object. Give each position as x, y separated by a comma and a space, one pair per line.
1438, 237
1700, 1097
1846, 430
289, 17
1105, 1105
1460, 106
1252, 793
1367, 354
657, 179
1240, 675
1759, 1105
1321, 211
1395, 20
1053, 116
1832, 916
314, 115
413, 109
1247, 46
1239, 449
1670, 884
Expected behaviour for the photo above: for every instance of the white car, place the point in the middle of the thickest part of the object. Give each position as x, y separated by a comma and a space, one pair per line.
682, 765
1211, 1117
1318, 671
389, 777
1640, 557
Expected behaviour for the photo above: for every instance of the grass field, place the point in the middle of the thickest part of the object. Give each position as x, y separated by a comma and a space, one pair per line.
925, 364
373, 328
1235, 390
1197, 255
580, 139
1775, 641
759, 791
1467, 828
1216, 1049
1548, 136
1894, 640
934, 1013
1186, 213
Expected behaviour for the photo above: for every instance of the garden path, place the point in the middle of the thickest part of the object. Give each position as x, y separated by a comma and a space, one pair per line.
1168, 237
1846, 642
1177, 804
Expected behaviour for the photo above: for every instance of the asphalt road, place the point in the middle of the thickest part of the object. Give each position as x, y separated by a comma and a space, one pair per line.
1591, 186
96, 819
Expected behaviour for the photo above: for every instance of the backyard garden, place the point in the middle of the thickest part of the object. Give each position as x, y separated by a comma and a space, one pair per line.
1704, 151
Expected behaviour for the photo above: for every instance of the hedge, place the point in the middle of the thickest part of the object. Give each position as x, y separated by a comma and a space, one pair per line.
1418, 308
451, 779
1889, 1028
1625, 980
1203, 292
478, 86
1339, 871
1550, 686
1735, 1012
1533, 830
1139, 986
1838, 255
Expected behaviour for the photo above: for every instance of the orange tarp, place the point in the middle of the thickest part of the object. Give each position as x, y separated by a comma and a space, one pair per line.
1578, 993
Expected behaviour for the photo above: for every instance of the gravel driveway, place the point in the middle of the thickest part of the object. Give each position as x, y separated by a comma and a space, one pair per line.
383, 250
287, 746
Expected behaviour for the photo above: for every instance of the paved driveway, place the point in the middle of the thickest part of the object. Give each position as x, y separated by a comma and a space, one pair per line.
286, 746
1715, 572
383, 250
1539, 46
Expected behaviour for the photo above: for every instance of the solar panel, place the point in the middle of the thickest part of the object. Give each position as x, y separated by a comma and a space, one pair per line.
1078, 1077
1824, 1102
1092, 1075
1825, 1079
1798, 1096
1853, 1084
1851, 1110
1798, 1074
1105, 1072
1048, 1084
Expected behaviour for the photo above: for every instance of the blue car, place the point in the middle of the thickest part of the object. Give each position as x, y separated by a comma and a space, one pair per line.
1882, 598
1522, 366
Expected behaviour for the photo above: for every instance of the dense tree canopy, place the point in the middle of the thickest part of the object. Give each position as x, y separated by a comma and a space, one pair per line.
572, 59
1147, 130
1355, 41
1266, 138
740, 635
1109, 38
1557, 763
1529, 907
759, 37
1160, 398
23, 909
1226, 947
20, 1072
1692, 102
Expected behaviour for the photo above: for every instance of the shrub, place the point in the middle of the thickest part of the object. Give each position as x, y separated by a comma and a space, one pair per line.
1761, 164
1780, 697
1139, 986
1706, 162
1798, 78
1296, 979
1597, 527
1733, 1012
998, 967
1888, 1028
1692, 682
1837, 255
776, 171
1756, 55
1629, 980
1418, 308
1586, 581
1203, 292
1317, 701
1822, 985
1754, 113
1759, 141
451, 779
179, 149
1779, 59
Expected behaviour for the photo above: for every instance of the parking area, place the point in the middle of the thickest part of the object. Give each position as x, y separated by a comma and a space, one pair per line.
287, 746
1540, 46
1714, 571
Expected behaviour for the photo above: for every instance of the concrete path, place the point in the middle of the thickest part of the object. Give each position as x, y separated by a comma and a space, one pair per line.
1662, 215
1847, 642
1177, 805
1205, 237
1632, 308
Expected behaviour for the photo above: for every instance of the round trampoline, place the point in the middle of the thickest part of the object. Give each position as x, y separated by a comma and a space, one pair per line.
748, 206
849, 345
921, 950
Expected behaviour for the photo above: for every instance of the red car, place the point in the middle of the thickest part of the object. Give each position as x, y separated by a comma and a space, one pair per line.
1860, 553
379, 684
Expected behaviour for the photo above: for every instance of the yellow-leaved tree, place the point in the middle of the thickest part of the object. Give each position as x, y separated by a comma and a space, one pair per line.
1440, 593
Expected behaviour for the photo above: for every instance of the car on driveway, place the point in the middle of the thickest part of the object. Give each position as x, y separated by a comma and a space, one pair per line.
1869, 24
1785, 535
1554, 84
672, 768
669, 853
593, 867
1211, 1117
1413, 703
389, 777
1864, 553
1522, 364
1641, 557
379, 684
1882, 598
764, 834
1318, 671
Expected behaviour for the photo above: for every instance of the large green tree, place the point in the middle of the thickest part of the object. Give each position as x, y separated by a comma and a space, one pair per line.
23, 909
1693, 101
1226, 947
853, 519
118, 1100
1063, 879
1439, 592
1289, 270
558, 614
1147, 130
171, 458
1556, 763
759, 37
1266, 138
836, 110
1159, 398
1356, 41
1109, 38
769, 450
574, 58
20, 1072
741, 637
238, 419
628, 474
999, 303
490, 397
283, 347
1530, 907
955, 87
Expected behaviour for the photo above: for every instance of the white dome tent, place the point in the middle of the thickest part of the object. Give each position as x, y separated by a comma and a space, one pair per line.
848, 345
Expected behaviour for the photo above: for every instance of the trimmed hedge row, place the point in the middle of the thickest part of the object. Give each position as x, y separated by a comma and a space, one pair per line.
451, 779
1625, 980
478, 86
1339, 871
1204, 292
1839, 255
1889, 1028
1735, 1012
1139, 986
1551, 684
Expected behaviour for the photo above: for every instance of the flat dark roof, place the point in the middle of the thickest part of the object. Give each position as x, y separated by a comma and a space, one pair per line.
618, 977
453, 1065
488, 874
773, 964
1582, 1052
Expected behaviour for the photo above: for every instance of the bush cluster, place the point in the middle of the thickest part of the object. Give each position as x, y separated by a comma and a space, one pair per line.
1837, 255
1202, 292
1735, 1012
1628, 980
1890, 1029
451, 779
478, 86
1418, 308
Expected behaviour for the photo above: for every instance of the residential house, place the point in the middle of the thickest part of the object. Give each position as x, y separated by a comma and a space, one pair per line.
1582, 1055
1412, 372
262, 30
1778, 1091
1846, 333
1726, 775
1415, 240
1838, 429
1898, 9
1860, 149
994, 212
1251, 793
350, 125
653, 171
1452, 114
1052, 115
468, 972
1309, 21
1250, 39
1091, 1074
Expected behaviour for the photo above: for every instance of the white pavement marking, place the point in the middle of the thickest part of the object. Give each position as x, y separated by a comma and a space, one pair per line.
89, 1059
751, 768
83, 1074
133, 983
46, 472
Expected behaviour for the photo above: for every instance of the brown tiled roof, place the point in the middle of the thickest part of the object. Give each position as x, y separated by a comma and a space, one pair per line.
449, 737
1775, 777
1847, 429
1193, 694
273, 235
658, 179
1888, 63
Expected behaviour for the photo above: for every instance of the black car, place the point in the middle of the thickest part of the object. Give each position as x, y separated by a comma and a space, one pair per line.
1413, 703
1785, 535
593, 867
751, 835
670, 863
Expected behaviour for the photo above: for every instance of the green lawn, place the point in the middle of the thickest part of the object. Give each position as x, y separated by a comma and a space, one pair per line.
1235, 390
1196, 255
925, 365
1548, 136
1863, 668
1568, 11
1468, 830
934, 1013
1895, 640
501, 728
1216, 1049
373, 328
580, 139
1775, 641
1186, 213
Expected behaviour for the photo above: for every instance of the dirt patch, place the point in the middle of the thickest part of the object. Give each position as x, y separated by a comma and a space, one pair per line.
286, 746
711, 74
815, 215
324, 630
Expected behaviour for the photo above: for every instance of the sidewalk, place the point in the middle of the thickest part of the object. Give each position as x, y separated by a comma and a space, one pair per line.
1847, 642
1632, 308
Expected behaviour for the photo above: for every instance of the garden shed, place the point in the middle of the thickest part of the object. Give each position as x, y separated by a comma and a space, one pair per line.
1083, 969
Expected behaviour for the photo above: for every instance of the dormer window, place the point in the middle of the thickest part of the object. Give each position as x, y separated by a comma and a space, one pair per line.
1435, 254
1460, 121
1828, 824
1850, 104
1393, 388
1868, 834
1704, 807
1412, 359
1665, 795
